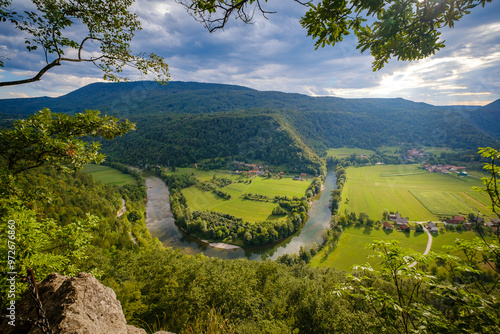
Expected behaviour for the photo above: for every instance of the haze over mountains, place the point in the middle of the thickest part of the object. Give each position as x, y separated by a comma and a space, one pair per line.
185, 122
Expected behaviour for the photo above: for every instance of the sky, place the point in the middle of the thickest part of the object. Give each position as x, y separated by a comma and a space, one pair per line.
276, 54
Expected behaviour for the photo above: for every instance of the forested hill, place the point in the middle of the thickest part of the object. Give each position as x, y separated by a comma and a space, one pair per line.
487, 118
147, 97
183, 122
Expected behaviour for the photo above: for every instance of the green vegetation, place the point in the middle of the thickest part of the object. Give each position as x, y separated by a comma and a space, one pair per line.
243, 296
352, 248
346, 151
182, 123
238, 205
108, 175
222, 208
442, 203
411, 191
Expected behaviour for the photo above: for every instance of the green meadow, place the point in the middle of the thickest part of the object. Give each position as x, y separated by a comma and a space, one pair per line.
199, 200
108, 175
351, 248
413, 192
346, 151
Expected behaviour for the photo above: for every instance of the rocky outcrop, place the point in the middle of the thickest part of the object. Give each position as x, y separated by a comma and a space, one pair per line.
73, 305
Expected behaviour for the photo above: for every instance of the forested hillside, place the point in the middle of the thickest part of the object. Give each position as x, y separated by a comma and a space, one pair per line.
487, 118
182, 123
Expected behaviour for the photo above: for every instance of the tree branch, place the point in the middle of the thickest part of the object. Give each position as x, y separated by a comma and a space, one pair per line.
37, 77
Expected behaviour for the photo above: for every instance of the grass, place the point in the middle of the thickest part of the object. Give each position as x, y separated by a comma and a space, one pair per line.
389, 149
413, 192
346, 151
351, 248
236, 206
108, 175
442, 203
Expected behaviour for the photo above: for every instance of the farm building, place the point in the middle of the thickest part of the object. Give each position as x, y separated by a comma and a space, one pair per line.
432, 227
387, 226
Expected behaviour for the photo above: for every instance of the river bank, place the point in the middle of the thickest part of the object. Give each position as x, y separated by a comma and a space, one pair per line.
161, 224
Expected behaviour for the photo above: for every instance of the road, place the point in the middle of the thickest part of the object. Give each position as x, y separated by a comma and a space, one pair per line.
429, 243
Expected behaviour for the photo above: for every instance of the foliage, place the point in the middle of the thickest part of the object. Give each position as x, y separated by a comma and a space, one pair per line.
47, 138
41, 244
217, 226
406, 29
109, 25
52, 222
182, 123
492, 182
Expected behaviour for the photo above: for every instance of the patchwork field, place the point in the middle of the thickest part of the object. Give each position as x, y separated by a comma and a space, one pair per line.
247, 209
413, 192
351, 248
108, 175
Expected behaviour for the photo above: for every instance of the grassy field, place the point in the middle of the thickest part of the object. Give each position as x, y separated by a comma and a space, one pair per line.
351, 248
108, 175
413, 192
237, 206
345, 151
389, 149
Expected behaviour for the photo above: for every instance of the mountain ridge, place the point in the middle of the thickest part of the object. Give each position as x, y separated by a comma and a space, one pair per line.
269, 122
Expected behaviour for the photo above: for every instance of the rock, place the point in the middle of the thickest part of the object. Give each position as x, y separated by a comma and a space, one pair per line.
134, 330
73, 305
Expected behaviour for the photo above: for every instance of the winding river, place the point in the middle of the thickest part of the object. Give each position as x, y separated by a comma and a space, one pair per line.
160, 223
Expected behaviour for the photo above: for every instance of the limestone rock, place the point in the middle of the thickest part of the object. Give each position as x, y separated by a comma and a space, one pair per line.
73, 305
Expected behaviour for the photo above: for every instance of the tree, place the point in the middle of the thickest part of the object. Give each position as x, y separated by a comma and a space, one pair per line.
492, 182
106, 44
48, 138
406, 29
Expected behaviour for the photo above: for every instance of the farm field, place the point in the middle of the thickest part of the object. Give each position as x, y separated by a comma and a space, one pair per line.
389, 149
199, 200
345, 151
411, 191
351, 248
108, 175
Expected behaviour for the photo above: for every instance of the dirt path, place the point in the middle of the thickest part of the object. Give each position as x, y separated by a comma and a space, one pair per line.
122, 210
429, 243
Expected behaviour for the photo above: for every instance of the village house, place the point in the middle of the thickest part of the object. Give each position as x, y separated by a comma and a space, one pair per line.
394, 216
387, 226
404, 227
401, 220
432, 227
489, 224
455, 220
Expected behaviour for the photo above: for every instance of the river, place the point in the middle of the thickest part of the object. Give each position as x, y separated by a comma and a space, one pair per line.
160, 223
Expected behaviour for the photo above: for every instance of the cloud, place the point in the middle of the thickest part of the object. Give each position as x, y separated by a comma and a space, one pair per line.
13, 95
276, 54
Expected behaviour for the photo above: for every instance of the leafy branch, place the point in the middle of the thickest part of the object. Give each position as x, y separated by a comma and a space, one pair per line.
110, 28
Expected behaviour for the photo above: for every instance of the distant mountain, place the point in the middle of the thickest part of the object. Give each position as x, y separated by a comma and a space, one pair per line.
184, 122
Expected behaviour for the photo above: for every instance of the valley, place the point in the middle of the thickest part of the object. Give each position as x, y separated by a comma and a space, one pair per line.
232, 174
413, 192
